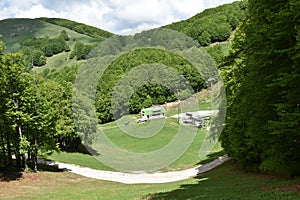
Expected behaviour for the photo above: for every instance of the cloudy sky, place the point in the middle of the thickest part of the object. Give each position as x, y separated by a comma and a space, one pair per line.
117, 16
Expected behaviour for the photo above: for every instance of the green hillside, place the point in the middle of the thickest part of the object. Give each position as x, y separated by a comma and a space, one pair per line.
14, 31
79, 27
212, 25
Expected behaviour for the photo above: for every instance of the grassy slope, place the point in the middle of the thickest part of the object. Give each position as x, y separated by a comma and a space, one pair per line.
131, 144
224, 182
13, 31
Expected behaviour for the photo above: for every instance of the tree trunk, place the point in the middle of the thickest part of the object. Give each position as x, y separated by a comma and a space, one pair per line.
3, 147
9, 152
23, 156
19, 130
35, 168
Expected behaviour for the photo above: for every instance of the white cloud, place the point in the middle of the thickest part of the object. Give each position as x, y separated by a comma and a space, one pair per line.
118, 16
38, 11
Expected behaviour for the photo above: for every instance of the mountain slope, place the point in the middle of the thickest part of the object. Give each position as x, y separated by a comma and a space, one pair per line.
79, 27
212, 25
14, 31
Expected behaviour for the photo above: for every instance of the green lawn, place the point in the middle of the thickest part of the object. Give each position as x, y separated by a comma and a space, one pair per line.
224, 182
141, 145
134, 144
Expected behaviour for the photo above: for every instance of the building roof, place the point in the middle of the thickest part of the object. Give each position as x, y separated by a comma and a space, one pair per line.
155, 109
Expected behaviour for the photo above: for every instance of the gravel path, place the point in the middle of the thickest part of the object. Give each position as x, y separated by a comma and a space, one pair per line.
136, 178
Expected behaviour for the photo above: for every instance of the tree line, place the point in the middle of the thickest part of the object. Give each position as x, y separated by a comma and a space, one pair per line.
79, 27
35, 112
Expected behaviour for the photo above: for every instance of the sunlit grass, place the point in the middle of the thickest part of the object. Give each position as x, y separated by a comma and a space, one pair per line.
142, 145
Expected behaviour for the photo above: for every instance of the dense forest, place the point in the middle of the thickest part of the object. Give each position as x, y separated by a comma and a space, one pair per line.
262, 80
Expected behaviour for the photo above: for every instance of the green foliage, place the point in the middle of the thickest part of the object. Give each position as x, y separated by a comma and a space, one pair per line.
212, 25
81, 51
261, 76
35, 114
37, 49
24, 145
68, 137
2, 46
79, 27
64, 35
34, 56
218, 52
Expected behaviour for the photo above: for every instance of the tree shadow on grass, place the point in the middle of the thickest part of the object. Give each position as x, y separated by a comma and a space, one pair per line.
51, 168
211, 157
12, 173
83, 149
187, 191
229, 182
9, 173
206, 186
220, 183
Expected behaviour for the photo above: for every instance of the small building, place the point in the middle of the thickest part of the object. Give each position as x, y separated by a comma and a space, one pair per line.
194, 119
153, 112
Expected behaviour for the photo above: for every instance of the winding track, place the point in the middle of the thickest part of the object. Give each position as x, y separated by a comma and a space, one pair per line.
137, 178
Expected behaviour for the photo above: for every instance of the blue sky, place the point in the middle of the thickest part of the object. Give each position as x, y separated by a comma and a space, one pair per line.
117, 16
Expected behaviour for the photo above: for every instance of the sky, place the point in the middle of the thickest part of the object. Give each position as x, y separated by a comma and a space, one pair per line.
117, 16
